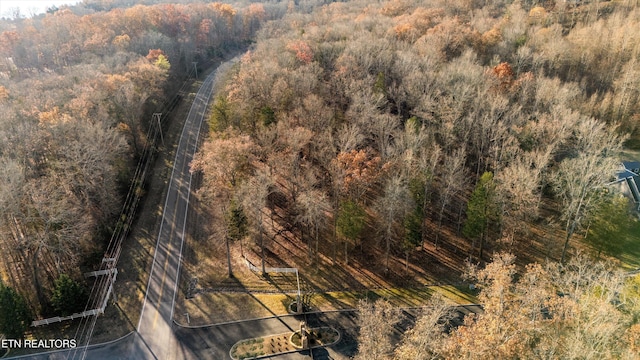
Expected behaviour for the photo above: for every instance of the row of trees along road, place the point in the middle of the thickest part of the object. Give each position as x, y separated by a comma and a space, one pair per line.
409, 121
78, 86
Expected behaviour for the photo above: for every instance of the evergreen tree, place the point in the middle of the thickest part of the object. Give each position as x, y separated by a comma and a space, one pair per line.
68, 296
413, 228
413, 222
482, 210
14, 314
236, 222
350, 223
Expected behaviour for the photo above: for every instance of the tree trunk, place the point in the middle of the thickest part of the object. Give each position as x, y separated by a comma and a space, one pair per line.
481, 246
264, 272
335, 232
460, 208
36, 279
406, 262
439, 225
309, 245
346, 255
388, 250
317, 241
230, 272
423, 223
566, 243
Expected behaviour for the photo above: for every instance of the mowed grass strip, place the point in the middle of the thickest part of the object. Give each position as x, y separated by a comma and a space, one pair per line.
215, 308
219, 307
398, 297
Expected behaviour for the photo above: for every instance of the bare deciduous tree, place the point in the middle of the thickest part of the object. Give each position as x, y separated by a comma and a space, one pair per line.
451, 179
376, 322
392, 208
581, 176
314, 207
253, 195
426, 338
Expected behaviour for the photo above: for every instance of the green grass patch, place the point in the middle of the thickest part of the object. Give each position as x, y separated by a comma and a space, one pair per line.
399, 297
460, 294
624, 247
212, 308
630, 248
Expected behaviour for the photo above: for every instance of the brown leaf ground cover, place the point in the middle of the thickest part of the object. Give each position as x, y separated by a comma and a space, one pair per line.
329, 285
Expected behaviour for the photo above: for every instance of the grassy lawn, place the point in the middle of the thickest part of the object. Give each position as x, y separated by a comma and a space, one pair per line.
217, 307
629, 257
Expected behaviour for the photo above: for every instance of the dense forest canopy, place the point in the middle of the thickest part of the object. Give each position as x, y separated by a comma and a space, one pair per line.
78, 86
384, 126
408, 120
376, 127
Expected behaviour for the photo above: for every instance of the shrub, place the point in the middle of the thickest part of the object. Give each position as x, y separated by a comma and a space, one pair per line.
68, 296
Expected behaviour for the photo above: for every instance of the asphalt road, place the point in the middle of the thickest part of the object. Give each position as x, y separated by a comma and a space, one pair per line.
155, 326
214, 342
157, 337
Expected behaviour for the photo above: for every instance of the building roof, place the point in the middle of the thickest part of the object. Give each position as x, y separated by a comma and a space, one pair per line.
629, 169
633, 166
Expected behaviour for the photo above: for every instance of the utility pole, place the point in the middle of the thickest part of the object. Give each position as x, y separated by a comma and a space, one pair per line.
195, 67
157, 116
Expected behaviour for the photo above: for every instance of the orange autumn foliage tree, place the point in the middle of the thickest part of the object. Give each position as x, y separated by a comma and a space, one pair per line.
504, 73
154, 54
303, 52
361, 170
226, 11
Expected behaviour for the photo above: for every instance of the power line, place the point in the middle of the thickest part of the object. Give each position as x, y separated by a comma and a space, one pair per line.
158, 116
103, 285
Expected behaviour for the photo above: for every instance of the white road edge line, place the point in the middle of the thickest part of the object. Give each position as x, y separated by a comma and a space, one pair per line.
153, 264
210, 79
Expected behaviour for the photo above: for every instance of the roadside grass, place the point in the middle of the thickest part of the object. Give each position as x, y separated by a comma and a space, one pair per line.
123, 311
218, 307
138, 249
398, 297
215, 308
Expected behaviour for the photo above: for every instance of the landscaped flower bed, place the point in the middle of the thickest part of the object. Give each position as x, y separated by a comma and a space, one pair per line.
249, 348
268, 345
316, 337
282, 343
